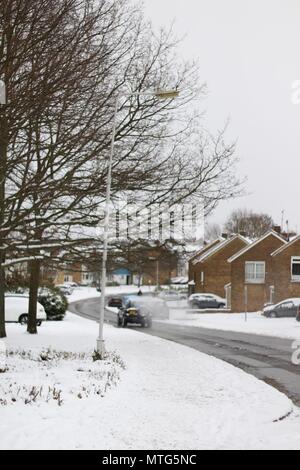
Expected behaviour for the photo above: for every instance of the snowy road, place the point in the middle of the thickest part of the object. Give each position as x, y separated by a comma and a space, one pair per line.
267, 358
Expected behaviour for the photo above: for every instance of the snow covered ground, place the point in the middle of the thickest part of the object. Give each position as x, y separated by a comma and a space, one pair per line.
81, 293
167, 396
256, 323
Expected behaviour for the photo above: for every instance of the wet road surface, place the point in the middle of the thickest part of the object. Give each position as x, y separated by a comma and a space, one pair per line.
267, 358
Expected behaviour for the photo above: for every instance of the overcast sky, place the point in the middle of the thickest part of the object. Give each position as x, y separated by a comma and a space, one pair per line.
249, 54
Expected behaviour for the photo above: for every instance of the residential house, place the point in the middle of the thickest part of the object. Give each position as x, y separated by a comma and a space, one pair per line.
210, 270
192, 269
76, 273
252, 273
286, 268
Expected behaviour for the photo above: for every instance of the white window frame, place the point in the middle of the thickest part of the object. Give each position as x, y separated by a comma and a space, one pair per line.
255, 279
202, 277
295, 260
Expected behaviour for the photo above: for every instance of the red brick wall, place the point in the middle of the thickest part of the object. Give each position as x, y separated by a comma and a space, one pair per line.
192, 267
258, 294
216, 269
284, 286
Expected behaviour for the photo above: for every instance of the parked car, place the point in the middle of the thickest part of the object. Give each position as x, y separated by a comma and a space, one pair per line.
203, 301
169, 296
16, 310
193, 297
286, 308
134, 313
116, 302
71, 284
65, 289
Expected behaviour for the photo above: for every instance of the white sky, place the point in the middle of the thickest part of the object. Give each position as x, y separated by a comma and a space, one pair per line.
249, 54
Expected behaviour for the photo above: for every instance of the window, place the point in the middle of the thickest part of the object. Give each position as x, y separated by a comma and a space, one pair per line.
296, 268
255, 272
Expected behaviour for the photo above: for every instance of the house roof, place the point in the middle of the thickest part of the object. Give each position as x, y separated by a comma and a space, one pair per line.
206, 248
217, 248
284, 247
259, 240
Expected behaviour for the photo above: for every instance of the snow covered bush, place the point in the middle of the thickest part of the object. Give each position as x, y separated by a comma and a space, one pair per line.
54, 303
55, 376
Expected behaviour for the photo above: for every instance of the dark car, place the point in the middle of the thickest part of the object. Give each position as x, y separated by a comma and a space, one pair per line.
133, 313
207, 301
116, 302
287, 308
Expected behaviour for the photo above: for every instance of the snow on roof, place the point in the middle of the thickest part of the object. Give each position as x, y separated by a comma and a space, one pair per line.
219, 247
295, 300
179, 280
252, 245
287, 245
207, 247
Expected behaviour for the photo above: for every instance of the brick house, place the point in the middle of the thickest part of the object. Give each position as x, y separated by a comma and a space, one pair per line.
192, 269
75, 273
252, 273
286, 266
209, 269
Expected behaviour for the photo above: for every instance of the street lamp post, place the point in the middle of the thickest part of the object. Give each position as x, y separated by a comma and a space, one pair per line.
100, 340
159, 94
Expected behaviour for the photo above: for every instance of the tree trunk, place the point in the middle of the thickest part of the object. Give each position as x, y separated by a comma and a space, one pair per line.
35, 267
3, 158
2, 303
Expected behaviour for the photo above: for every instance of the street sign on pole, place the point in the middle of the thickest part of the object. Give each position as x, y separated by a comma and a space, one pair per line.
2, 92
246, 303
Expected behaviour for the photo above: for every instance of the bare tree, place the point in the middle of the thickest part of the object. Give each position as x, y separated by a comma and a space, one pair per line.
65, 64
253, 224
212, 232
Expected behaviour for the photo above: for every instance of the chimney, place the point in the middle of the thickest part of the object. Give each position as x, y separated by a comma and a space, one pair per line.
243, 234
277, 229
225, 236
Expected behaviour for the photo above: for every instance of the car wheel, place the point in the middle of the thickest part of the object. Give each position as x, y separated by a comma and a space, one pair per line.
119, 321
273, 315
124, 323
23, 320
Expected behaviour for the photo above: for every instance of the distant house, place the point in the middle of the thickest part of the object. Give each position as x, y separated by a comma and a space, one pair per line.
286, 268
253, 275
210, 271
121, 276
75, 273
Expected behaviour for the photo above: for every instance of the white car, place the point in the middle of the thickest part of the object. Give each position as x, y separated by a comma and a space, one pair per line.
16, 309
65, 289
70, 284
170, 296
